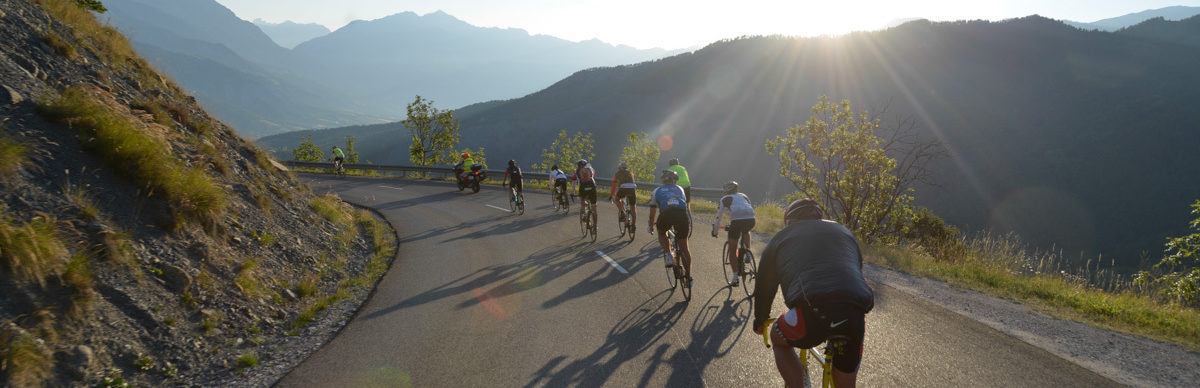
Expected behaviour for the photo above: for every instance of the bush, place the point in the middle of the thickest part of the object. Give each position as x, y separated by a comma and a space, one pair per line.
940, 240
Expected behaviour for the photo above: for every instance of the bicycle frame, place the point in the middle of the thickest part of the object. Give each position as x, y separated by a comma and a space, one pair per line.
824, 359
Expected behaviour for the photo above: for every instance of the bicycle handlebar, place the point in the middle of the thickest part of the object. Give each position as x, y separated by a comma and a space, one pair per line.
766, 332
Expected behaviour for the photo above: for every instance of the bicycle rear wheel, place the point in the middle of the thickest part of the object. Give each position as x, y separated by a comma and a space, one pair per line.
729, 275
521, 203
512, 201
671, 278
686, 287
593, 229
749, 272
583, 221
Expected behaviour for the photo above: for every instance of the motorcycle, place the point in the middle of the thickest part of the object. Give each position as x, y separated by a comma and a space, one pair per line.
470, 179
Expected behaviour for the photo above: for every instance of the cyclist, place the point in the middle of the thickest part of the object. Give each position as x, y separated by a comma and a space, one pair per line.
585, 181
515, 173
741, 221
339, 157
818, 265
684, 182
670, 198
623, 187
559, 180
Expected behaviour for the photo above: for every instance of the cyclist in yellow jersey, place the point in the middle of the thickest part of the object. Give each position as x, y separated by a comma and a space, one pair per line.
684, 182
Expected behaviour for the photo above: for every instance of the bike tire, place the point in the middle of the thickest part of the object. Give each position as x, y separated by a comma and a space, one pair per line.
583, 217
521, 203
729, 275
594, 230
512, 203
475, 187
671, 278
621, 229
749, 272
685, 287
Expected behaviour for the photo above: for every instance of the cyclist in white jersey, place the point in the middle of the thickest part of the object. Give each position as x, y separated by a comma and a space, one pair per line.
741, 221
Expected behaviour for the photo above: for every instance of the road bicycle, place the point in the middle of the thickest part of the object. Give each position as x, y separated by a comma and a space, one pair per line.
559, 200
586, 226
747, 270
337, 168
516, 201
675, 275
835, 346
627, 225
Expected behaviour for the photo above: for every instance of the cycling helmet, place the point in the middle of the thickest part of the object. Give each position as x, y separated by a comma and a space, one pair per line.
512, 163
669, 176
465, 155
581, 162
674, 162
804, 209
554, 167
731, 187
622, 166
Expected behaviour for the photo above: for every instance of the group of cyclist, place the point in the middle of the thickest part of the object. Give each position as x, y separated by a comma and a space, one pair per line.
817, 263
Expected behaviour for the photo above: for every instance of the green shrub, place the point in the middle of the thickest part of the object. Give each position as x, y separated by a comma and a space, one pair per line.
247, 360
13, 156
32, 251
24, 362
63, 47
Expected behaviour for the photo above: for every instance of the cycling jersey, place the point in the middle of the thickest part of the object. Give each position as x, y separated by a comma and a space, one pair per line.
815, 263
585, 174
683, 175
667, 197
338, 153
739, 208
514, 172
623, 180
557, 174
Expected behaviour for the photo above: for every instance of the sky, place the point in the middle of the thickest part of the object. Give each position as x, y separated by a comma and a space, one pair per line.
676, 24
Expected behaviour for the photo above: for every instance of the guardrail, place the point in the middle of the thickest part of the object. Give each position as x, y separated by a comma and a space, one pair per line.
697, 192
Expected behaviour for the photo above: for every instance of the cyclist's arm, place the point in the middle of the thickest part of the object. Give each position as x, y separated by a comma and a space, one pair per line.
720, 212
502, 181
764, 288
613, 193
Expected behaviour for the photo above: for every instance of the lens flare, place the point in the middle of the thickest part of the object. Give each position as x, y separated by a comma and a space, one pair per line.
665, 142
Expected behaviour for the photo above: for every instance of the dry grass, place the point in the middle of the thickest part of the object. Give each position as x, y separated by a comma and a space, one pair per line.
32, 251
13, 156
63, 47
144, 157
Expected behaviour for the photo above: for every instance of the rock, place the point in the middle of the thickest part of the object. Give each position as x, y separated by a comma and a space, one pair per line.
2, 14
177, 279
77, 360
14, 98
289, 294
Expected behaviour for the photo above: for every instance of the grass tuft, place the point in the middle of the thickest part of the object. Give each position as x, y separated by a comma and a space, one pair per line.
13, 156
247, 360
24, 362
60, 45
32, 251
145, 158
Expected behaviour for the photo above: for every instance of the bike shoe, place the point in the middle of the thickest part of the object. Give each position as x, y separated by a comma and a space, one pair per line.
734, 283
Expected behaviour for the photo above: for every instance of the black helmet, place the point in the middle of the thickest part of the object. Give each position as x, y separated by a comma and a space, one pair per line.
581, 162
669, 176
731, 187
674, 162
554, 167
512, 163
804, 209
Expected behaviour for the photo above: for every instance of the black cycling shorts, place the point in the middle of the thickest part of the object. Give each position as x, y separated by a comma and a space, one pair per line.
516, 183
805, 328
674, 218
630, 195
736, 227
587, 192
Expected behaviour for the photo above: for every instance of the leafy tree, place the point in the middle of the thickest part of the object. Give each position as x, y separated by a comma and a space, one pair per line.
308, 151
92, 5
641, 155
837, 159
1180, 279
566, 150
434, 133
478, 156
351, 153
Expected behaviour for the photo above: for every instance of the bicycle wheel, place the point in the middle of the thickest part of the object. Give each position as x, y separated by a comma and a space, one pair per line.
632, 225
521, 203
512, 201
583, 221
621, 227
749, 272
593, 228
671, 279
729, 275
686, 286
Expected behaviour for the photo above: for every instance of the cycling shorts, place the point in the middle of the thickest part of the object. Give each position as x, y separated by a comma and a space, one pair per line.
516, 183
587, 191
687, 194
807, 327
630, 195
736, 227
674, 218
338, 159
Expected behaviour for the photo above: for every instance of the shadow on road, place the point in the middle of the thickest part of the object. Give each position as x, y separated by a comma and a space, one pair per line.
639, 330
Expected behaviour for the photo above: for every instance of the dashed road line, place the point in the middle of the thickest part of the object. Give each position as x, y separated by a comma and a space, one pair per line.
613, 263
390, 187
499, 208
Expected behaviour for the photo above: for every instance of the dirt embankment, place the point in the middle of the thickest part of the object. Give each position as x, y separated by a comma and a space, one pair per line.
143, 241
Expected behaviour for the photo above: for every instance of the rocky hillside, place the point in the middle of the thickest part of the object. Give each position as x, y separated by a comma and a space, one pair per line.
142, 241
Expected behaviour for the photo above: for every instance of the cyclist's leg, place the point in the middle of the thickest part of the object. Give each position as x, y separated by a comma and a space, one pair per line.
788, 362
661, 230
733, 250
685, 253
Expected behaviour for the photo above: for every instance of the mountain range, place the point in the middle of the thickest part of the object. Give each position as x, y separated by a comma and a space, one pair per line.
1174, 13
1076, 140
365, 72
289, 34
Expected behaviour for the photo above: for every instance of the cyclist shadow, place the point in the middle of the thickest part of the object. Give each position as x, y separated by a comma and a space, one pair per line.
514, 225
723, 320
604, 277
633, 335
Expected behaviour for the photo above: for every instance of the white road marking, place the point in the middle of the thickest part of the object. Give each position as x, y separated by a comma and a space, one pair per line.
499, 208
613, 263
390, 187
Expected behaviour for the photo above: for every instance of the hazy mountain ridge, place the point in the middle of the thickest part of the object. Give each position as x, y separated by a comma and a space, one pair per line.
1058, 133
1115, 23
289, 34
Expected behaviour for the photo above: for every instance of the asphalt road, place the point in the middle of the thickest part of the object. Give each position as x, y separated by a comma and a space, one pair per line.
479, 296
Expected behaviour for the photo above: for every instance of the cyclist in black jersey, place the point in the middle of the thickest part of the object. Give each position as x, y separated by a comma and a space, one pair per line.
817, 264
514, 172
624, 187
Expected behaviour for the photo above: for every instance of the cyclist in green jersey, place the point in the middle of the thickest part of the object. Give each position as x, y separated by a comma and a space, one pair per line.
684, 182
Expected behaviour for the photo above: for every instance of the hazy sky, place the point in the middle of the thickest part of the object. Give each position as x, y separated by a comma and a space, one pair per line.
686, 23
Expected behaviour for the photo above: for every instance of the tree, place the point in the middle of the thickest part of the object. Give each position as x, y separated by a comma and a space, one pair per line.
837, 159
565, 151
92, 5
434, 133
1180, 268
351, 153
641, 155
308, 151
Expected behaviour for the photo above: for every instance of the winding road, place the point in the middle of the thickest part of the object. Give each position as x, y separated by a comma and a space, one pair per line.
479, 296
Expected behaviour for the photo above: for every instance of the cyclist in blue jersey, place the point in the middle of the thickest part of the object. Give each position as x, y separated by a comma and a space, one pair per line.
670, 199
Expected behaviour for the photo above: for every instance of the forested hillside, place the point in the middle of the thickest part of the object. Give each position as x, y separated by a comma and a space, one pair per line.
1079, 140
